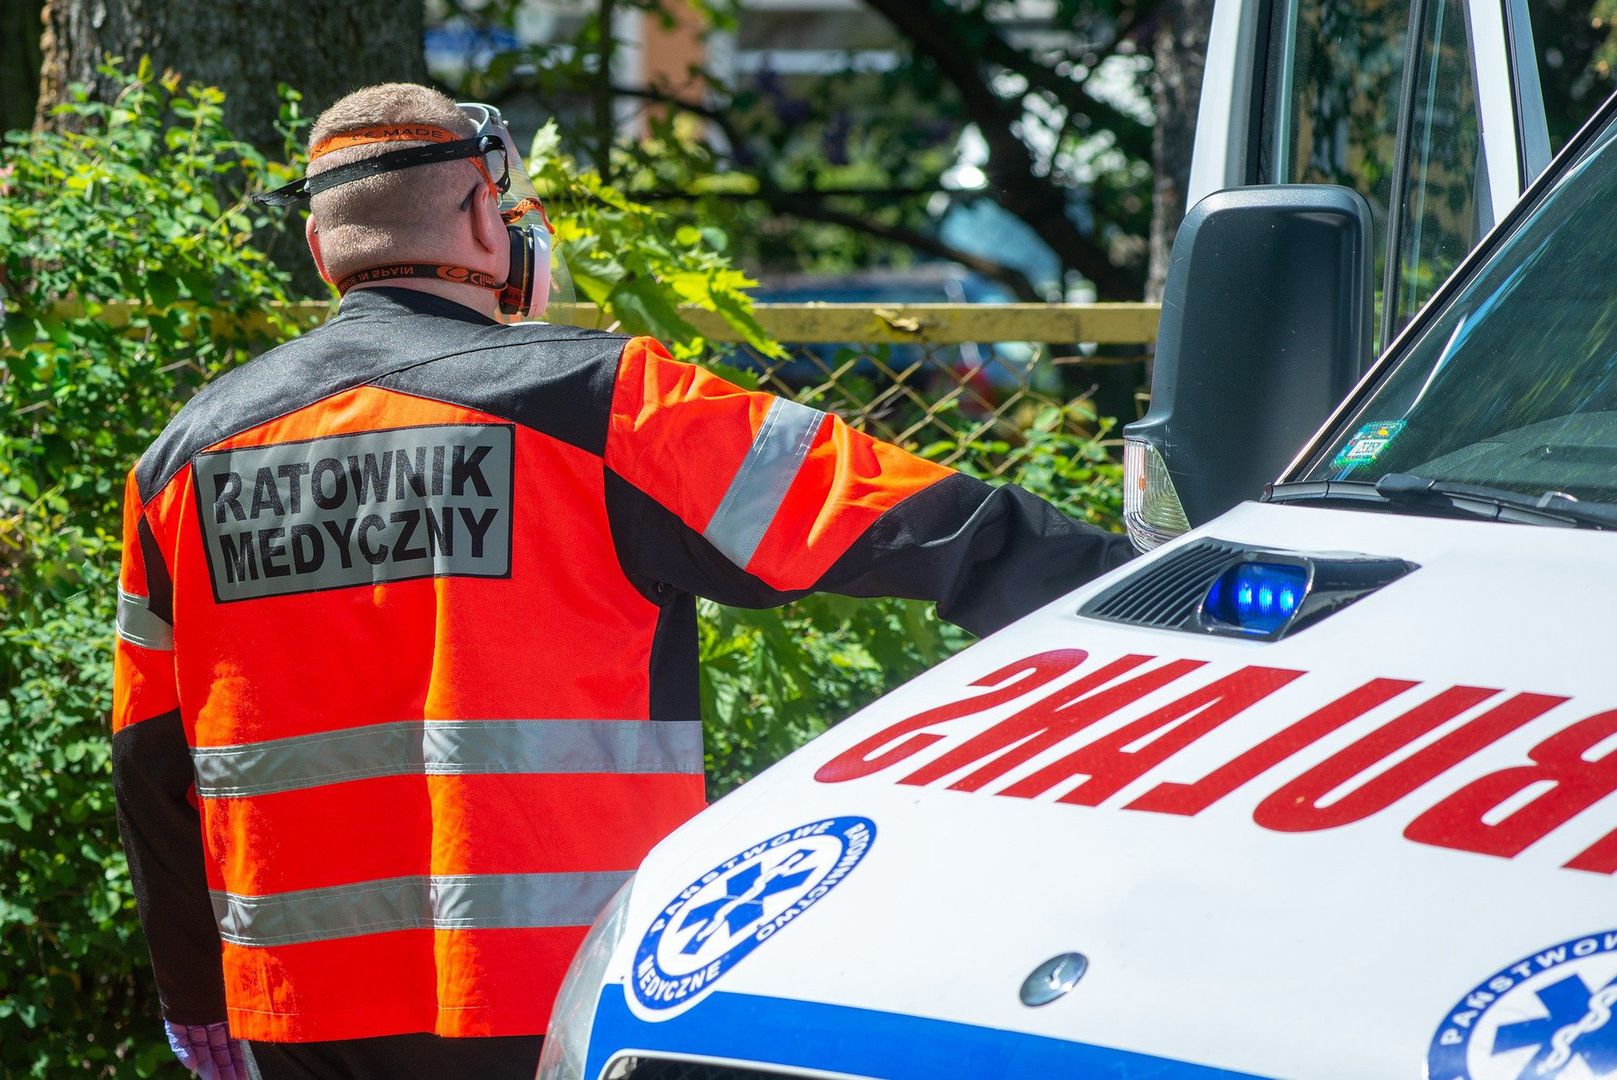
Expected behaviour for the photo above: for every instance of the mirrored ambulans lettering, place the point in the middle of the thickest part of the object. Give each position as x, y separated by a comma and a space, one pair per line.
1563, 781
1109, 763
357, 509
950, 745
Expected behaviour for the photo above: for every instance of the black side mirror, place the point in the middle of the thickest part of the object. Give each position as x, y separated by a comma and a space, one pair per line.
1266, 326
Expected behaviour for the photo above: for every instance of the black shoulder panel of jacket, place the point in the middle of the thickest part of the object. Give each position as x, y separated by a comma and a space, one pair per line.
414, 343
987, 554
658, 552
159, 584
162, 835
672, 564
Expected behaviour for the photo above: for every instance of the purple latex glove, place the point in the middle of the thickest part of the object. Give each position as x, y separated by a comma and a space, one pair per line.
207, 1050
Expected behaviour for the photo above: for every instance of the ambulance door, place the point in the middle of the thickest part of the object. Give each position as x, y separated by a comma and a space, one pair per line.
1430, 109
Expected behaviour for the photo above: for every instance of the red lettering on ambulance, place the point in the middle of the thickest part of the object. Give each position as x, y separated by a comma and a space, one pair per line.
1600, 858
1048, 721
1195, 797
1110, 765
1295, 807
884, 749
1578, 783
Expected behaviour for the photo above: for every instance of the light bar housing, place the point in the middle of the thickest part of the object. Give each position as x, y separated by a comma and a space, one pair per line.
1268, 595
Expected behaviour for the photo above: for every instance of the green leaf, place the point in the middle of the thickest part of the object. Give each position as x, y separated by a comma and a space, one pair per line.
738, 315
715, 239
644, 308
594, 285
546, 143
161, 288
747, 380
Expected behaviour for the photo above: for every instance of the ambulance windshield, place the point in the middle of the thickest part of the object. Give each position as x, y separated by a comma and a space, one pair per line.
1513, 384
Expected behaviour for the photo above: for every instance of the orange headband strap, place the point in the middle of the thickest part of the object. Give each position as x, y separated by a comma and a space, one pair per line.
381, 133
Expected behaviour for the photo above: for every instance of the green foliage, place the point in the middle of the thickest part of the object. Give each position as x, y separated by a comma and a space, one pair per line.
75, 996
1052, 459
145, 202
772, 680
630, 259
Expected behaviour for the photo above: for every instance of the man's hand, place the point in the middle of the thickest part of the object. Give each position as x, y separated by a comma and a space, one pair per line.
207, 1050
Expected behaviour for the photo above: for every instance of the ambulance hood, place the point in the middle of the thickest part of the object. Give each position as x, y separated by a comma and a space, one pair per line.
1381, 847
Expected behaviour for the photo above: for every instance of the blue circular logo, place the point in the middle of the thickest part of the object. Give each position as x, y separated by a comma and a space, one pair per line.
719, 918
1549, 1016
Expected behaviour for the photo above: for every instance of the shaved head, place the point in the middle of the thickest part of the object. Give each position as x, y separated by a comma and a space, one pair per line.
402, 216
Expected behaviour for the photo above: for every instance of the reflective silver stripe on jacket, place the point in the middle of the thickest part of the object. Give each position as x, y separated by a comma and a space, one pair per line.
759, 487
139, 625
448, 747
439, 902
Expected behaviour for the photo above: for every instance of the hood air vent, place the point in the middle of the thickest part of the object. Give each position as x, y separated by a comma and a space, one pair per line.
1216, 587
1168, 593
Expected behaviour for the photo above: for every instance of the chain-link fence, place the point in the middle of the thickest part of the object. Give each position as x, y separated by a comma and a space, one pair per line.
943, 399
949, 380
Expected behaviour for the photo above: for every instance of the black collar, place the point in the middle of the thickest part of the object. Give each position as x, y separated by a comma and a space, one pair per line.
382, 300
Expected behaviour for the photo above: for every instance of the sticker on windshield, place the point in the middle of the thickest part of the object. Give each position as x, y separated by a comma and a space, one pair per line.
1367, 444
1549, 1016
719, 918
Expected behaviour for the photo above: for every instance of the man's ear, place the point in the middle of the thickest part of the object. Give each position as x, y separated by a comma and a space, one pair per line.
489, 232
312, 234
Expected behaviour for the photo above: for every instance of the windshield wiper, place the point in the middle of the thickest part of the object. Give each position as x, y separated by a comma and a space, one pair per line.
1479, 498
1473, 500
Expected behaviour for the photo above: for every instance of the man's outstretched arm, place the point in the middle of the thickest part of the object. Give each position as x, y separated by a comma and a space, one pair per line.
753, 500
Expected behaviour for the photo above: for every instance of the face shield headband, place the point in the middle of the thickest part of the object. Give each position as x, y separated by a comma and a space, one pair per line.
524, 292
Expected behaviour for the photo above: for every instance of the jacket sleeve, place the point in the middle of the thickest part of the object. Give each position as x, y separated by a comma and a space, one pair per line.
754, 500
152, 784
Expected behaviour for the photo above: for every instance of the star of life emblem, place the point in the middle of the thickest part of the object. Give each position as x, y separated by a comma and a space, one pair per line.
1549, 1016
726, 913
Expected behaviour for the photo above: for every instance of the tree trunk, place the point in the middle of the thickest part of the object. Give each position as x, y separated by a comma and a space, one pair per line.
1180, 52
246, 48
19, 62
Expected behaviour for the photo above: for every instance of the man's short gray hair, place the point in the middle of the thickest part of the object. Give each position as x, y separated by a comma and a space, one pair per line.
392, 217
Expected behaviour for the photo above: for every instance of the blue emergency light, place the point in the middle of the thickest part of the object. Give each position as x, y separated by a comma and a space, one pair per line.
1256, 598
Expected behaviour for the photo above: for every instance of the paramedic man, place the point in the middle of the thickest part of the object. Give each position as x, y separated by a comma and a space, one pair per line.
406, 670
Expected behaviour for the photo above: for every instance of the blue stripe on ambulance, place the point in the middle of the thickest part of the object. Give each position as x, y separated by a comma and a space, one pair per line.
863, 1042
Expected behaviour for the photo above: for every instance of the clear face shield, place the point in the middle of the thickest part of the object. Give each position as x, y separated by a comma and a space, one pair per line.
538, 280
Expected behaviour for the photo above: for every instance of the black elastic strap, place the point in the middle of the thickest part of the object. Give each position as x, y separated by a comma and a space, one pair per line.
308, 186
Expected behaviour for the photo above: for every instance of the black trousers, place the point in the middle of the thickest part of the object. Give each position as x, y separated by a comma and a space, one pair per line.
397, 1057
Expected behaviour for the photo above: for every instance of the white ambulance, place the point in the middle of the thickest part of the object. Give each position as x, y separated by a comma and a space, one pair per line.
1324, 786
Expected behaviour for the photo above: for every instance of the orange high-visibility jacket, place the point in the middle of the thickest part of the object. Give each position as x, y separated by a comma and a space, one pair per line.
406, 667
